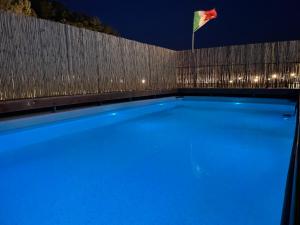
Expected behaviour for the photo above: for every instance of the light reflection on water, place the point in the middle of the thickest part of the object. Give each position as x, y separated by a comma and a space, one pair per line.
198, 163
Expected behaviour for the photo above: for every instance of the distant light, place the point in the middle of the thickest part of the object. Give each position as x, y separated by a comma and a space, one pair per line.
269, 78
293, 74
237, 103
143, 81
113, 114
274, 76
256, 77
231, 81
256, 80
161, 104
240, 78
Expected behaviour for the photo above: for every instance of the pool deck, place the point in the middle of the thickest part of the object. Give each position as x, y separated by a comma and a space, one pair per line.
10, 107
291, 207
241, 92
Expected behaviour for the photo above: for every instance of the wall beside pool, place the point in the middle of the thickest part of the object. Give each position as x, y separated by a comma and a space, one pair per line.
41, 58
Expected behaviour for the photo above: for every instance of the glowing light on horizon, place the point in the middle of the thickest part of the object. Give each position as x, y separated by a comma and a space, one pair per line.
293, 74
231, 81
143, 81
274, 76
113, 114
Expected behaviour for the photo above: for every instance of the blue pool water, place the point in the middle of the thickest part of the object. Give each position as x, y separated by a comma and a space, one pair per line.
190, 161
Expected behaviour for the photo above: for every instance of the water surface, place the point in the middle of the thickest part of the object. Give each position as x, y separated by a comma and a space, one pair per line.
191, 161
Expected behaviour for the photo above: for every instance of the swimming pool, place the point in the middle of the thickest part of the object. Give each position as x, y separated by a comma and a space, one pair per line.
171, 161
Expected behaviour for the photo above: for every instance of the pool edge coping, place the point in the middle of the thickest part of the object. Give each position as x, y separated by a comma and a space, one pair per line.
24, 106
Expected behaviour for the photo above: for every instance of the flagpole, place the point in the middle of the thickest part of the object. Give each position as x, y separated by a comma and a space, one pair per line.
193, 56
200, 19
193, 41
193, 59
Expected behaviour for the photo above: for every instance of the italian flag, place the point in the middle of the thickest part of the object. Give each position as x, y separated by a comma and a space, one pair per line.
202, 17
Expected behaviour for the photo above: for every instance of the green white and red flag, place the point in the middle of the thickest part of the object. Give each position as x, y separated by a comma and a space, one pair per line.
202, 17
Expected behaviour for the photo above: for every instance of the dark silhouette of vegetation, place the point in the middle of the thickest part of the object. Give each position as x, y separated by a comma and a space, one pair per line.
17, 6
56, 11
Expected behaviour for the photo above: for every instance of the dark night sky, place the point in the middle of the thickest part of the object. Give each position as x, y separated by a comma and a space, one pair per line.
169, 23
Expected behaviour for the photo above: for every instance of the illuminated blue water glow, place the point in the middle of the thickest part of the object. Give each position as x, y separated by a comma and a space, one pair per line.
190, 161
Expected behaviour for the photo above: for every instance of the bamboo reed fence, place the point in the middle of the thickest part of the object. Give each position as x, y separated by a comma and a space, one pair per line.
264, 65
40, 58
